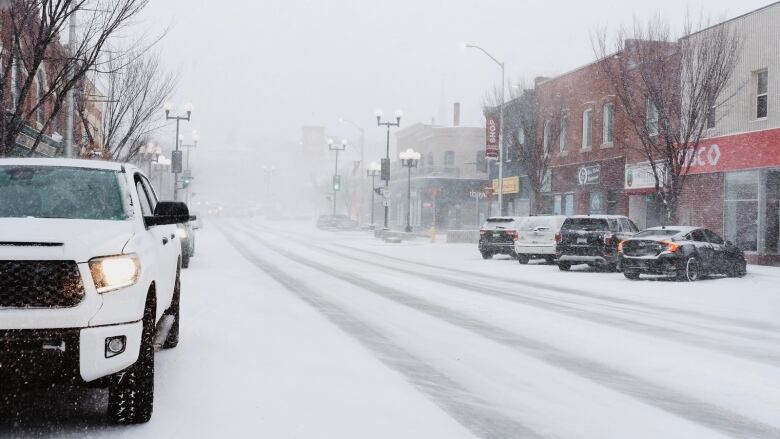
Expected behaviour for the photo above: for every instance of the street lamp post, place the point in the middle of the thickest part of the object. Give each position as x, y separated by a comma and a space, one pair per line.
194, 144
268, 170
336, 177
409, 160
501, 126
386, 161
176, 169
362, 159
374, 171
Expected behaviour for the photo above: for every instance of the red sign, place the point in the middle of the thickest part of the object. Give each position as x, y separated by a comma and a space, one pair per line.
492, 135
741, 151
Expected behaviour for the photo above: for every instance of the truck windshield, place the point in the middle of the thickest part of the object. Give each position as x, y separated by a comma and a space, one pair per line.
60, 192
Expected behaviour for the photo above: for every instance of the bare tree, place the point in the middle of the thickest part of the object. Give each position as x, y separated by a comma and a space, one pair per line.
532, 126
136, 86
38, 71
669, 91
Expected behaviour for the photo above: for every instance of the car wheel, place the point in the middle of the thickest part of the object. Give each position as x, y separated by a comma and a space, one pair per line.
549, 259
631, 274
564, 266
131, 392
691, 272
173, 335
737, 269
523, 259
486, 255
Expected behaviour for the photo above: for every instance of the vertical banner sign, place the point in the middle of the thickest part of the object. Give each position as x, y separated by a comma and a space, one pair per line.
491, 136
385, 173
176, 162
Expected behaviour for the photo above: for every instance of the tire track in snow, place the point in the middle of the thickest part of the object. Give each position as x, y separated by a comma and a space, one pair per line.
465, 408
643, 328
661, 397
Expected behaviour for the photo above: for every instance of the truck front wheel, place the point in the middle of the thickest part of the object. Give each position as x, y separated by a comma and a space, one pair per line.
131, 392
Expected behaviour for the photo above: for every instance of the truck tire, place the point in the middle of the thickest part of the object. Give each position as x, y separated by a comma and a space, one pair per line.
487, 255
185, 258
131, 392
173, 335
564, 266
523, 259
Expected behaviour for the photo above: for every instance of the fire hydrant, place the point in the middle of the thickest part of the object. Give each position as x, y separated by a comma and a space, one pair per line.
432, 233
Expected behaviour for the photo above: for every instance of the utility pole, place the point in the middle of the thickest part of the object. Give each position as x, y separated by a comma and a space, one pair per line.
385, 170
70, 103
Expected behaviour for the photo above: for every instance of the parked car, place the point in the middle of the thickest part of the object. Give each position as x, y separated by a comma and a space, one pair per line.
186, 233
90, 264
592, 240
497, 236
336, 222
536, 238
686, 253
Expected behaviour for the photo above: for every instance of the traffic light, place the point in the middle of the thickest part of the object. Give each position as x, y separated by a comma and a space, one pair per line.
186, 181
336, 183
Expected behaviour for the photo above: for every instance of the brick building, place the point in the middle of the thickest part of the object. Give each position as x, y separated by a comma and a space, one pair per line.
587, 165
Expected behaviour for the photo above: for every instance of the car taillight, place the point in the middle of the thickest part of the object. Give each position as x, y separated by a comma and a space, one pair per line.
620, 246
482, 232
671, 247
558, 238
512, 234
608, 238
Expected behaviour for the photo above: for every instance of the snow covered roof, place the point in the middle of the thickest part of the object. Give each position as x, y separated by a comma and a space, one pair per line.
68, 163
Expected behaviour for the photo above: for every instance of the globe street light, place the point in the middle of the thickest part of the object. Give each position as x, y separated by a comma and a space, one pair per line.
409, 160
373, 171
386, 161
500, 125
336, 176
176, 154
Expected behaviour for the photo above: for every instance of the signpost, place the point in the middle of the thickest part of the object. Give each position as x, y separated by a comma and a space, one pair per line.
477, 195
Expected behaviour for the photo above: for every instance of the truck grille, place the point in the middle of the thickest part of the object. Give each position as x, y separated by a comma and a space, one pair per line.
40, 284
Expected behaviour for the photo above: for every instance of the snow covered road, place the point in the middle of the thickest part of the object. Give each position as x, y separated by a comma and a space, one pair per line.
292, 332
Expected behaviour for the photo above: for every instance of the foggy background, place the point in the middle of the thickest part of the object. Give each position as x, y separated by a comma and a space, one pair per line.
257, 71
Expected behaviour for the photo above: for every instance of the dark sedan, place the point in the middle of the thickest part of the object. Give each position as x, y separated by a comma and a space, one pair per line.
686, 253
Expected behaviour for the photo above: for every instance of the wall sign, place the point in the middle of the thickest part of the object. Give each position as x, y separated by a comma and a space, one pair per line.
641, 176
589, 175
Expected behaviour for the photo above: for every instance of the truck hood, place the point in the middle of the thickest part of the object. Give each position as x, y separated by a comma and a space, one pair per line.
62, 239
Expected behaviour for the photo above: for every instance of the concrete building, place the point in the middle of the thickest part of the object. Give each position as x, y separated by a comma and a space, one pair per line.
452, 168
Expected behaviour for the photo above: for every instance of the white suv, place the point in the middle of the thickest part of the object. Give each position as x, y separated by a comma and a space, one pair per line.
89, 278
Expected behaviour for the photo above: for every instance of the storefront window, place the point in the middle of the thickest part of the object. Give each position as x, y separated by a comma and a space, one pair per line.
569, 205
595, 203
741, 209
557, 205
772, 236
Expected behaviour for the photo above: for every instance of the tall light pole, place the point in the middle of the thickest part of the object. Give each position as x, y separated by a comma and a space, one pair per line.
149, 153
409, 160
362, 159
194, 144
268, 170
336, 176
385, 170
373, 171
176, 158
501, 126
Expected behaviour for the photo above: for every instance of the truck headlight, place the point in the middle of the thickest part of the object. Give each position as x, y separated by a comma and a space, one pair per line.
113, 272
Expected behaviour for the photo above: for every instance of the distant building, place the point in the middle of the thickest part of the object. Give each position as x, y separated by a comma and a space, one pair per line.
451, 169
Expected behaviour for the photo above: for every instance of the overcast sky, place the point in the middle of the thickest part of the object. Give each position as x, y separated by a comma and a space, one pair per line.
257, 70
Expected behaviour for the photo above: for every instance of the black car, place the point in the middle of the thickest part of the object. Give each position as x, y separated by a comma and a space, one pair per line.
592, 240
498, 235
686, 253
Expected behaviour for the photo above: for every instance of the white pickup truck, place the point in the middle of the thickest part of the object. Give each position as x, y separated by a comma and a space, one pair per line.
89, 278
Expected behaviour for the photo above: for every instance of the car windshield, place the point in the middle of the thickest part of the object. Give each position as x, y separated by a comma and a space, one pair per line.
656, 232
60, 192
586, 224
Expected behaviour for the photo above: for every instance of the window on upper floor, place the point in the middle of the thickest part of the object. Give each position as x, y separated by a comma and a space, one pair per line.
607, 129
711, 112
40, 86
546, 138
563, 140
587, 128
449, 159
652, 118
762, 93
521, 136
